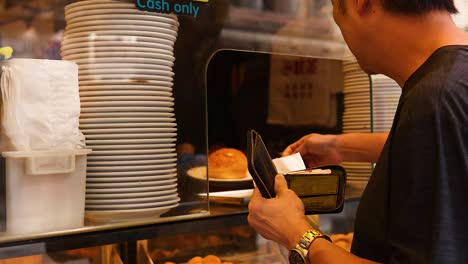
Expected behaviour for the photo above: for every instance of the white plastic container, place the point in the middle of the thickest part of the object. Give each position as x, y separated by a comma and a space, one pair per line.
45, 190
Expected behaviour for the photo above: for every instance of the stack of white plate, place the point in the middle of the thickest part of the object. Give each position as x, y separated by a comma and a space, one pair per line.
357, 113
125, 57
385, 96
461, 19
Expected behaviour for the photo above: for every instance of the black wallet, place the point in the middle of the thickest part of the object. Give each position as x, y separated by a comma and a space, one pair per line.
321, 189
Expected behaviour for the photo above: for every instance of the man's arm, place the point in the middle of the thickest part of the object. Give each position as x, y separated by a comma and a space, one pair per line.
319, 150
361, 147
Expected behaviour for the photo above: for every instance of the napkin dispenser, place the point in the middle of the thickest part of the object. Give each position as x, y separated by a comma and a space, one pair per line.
321, 189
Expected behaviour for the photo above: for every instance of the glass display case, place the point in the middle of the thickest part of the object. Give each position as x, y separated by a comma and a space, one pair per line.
158, 94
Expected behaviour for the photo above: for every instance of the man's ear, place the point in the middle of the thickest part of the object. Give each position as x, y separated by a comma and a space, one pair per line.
364, 7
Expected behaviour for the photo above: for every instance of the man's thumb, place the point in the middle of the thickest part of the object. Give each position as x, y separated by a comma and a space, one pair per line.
280, 184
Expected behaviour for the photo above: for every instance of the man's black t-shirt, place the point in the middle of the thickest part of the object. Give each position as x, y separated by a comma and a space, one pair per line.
415, 206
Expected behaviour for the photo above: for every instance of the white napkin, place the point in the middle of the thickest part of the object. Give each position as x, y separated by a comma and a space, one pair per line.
289, 163
40, 105
294, 162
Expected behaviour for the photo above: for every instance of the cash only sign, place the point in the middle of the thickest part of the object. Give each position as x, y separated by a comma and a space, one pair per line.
181, 7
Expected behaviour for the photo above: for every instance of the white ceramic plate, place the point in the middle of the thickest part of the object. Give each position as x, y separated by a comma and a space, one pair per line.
119, 13
376, 119
352, 68
353, 91
127, 103
353, 113
162, 62
354, 97
131, 173
130, 152
132, 147
131, 206
132, 200
118, 54
137, 157
125, 85
96, 51
118, 216
350, 119
128, 71
135, 81
131, 168
132, 162
351, 110
128, 130
126, 109
84, 94
129, 141
128, 44
127, 98
384, 117
355, 124
134, 189
358, 90
107, 8
357, 99
126, 115
348, 78
357, 80
137, 77
362, 103
357, 86
91, 39
130, 184
357, 128
123, 66
127, 125
378, 88
160, 120
166, 29
165, 136
92, 180
100, 217
121, 22
169, 191
200, 174
165, 34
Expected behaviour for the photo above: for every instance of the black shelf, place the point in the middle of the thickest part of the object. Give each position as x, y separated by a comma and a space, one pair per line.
21, 248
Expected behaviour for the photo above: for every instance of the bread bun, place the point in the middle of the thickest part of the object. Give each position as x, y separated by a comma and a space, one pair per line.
227, 163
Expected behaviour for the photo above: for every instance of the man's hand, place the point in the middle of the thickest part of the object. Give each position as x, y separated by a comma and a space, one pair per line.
316, 150
280, 219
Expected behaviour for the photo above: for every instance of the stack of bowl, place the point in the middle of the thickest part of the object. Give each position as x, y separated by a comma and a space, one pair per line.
357, 114
385, 96
125, 58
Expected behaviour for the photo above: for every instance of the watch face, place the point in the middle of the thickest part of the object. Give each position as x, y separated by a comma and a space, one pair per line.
295, 258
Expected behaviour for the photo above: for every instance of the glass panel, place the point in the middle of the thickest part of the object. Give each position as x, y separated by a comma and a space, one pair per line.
283, 97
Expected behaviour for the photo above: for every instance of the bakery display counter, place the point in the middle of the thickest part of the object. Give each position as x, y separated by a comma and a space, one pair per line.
123, 234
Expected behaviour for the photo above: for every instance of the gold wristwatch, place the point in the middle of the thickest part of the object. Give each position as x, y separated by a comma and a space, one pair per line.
298, 255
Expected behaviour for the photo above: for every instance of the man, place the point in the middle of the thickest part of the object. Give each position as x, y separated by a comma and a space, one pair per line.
414, 207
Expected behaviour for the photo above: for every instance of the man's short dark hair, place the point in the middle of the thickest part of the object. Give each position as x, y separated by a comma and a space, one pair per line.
416, 7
